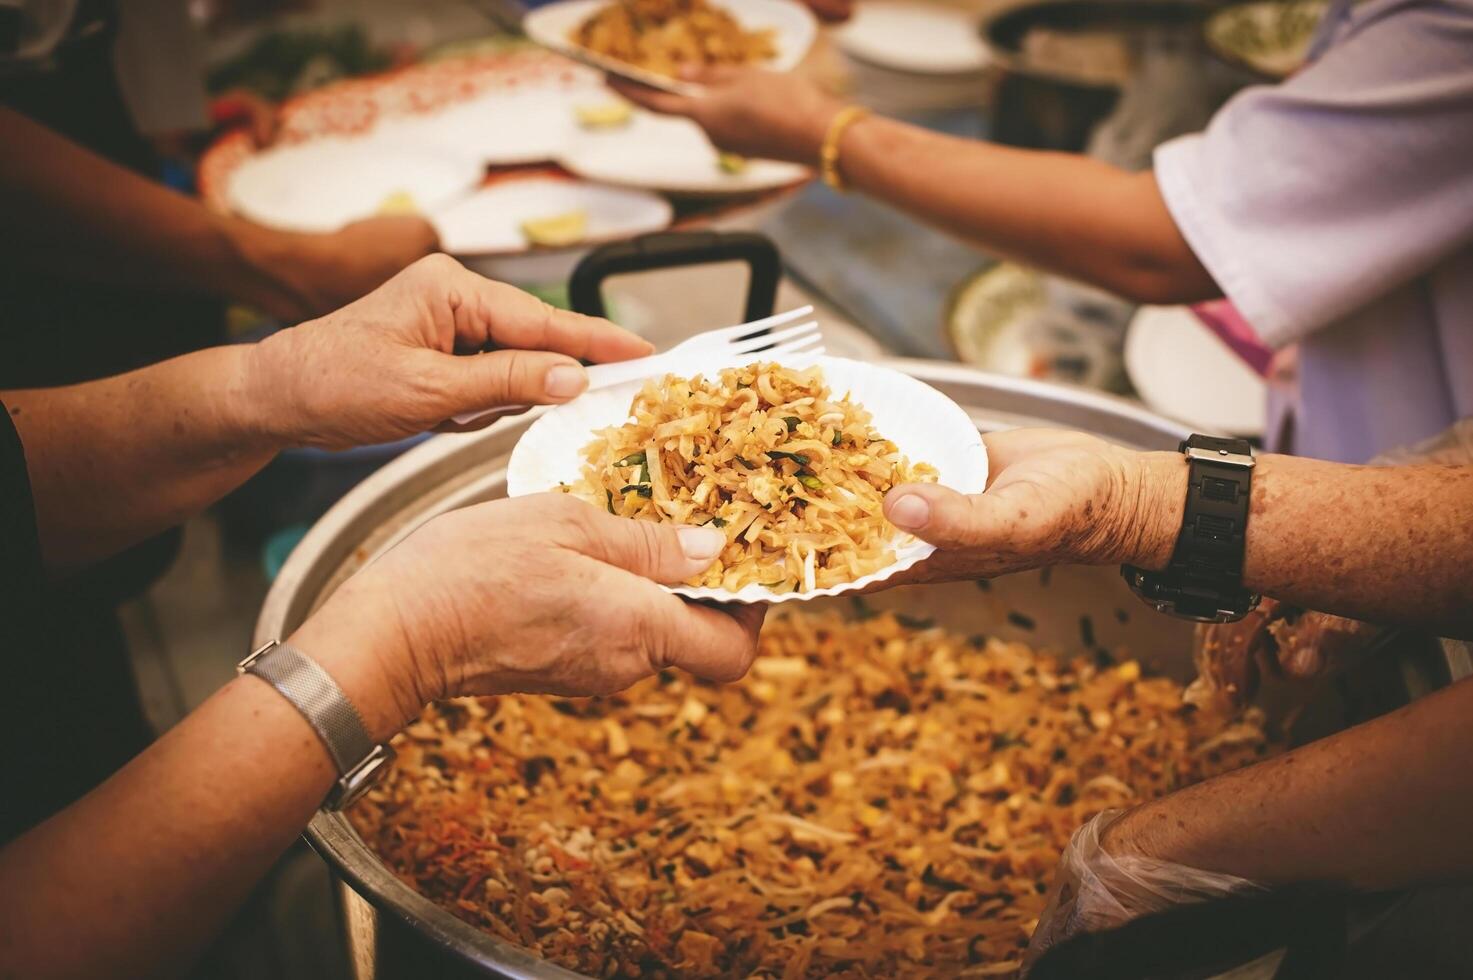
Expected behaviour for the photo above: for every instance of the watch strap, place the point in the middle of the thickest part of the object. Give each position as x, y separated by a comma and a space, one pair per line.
313, 692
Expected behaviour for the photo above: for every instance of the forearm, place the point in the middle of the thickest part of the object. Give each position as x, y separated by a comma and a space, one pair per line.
1061, 212
137, 877
72, 210
1388, 545
116, 460
1376, 807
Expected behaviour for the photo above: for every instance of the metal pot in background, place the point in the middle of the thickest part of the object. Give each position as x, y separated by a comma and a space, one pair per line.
1066, 65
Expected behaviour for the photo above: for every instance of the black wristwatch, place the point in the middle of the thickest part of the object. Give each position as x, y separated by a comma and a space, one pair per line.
1205, 578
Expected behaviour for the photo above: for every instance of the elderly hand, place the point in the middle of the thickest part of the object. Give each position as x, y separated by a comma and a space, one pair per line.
748, 111
1052, 498
538, 594
433, 342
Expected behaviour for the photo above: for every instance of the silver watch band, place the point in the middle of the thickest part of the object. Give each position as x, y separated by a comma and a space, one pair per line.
313, 692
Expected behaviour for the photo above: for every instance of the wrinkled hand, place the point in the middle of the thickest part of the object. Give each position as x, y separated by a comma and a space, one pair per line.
1052, 498
433, 342
538, 594
1298, 644
775, 116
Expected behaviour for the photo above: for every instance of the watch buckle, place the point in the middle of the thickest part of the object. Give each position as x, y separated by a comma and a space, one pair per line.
357, 781
255, 655
1220, 456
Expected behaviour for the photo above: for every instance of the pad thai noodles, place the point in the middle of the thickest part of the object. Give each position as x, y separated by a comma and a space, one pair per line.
795, 477
876, 799
662, 36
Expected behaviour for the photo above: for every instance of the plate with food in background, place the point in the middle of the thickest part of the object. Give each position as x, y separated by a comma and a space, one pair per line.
791, 462
650, 41
321, 185
550, 212
673, 155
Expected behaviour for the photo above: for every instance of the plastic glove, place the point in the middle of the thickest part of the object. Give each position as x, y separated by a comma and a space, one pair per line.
1093, 890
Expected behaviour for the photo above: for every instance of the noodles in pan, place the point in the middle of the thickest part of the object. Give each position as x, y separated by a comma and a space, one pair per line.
877, 799
795, 477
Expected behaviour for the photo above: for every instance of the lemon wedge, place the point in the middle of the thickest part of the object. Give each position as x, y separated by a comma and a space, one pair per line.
398, 202
558, 229
606, 115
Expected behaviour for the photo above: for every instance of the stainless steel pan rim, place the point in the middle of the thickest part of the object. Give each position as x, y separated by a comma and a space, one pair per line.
452, 471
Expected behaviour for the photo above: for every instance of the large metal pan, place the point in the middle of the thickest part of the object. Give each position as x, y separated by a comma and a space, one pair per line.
394, 932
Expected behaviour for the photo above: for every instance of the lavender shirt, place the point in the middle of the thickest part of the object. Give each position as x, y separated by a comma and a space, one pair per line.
1336, 212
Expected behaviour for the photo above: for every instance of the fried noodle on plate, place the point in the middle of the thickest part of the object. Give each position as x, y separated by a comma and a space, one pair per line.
663, 36
876, 799
795, 477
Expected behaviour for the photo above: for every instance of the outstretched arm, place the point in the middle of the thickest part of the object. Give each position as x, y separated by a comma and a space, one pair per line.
1382, 544
113, 461
1057, 211
67, 208
135, 878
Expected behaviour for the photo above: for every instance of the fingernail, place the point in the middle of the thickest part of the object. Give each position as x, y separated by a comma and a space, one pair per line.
911, 512
565, 381
701, 543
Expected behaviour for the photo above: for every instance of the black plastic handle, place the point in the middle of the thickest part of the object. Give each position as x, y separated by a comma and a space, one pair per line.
675, 249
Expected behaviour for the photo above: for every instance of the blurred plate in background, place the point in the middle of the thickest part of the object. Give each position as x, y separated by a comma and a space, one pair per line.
924, 38
489, 221
321, 185
1182, 369
672, 155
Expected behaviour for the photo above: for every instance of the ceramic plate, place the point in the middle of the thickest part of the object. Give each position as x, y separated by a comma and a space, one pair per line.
925, 424
925, 38
489, 221
321, 185
501, 128
1182, 369
668, 154
793, 27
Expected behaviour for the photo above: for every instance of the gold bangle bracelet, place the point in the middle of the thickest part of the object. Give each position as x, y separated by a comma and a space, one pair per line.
828, 154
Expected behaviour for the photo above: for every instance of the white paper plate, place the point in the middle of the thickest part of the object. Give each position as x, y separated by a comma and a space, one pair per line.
321, 185
488, 222
926, 425
925, 38
793, 27
1182, 369
672, 155
501, 128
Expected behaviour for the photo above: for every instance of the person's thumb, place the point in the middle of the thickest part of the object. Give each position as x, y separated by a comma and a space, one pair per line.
493, 379
941, 516
663, 552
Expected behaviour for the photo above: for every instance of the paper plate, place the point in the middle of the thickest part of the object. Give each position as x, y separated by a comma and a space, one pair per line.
501, 128
926, 426
793, 26
489, 221
321, 185
1182, 369
664, 153
924, 38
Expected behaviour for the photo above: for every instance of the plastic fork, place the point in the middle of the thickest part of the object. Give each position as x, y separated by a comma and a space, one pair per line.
712, 350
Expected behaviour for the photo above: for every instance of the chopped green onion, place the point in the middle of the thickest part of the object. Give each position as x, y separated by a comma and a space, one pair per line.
792, 423
810, 481
610, 495
838, 437
633, 459
644, 490
718, 521
644, 471
798, 458
750, 466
